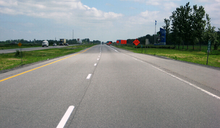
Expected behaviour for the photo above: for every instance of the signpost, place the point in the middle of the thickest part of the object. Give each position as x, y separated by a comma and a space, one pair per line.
146, 43
136, 42
208, 51
19, 44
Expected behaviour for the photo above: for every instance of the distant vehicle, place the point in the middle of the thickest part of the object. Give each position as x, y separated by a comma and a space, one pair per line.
54, 44
109, 42
45, 43
62, 42
66, 44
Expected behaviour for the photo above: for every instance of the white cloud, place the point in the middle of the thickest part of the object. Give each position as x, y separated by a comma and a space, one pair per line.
153, 2
141, 20
170, 6
88, 21
94, 23
8, 2
53, 9
213, 9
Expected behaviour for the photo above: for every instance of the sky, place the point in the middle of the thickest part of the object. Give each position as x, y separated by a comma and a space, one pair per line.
104, 20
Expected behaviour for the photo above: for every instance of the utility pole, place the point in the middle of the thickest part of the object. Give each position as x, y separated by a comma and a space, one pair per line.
155, 26
155, 32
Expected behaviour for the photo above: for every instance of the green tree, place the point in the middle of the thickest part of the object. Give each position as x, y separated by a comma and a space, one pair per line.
175, 28
181, 23
198, 24
167, 28
211, 34
188, 25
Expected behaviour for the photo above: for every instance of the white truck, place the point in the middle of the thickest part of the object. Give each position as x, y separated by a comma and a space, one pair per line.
45, 43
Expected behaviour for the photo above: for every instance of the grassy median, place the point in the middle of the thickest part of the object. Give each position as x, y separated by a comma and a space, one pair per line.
198, 57
13, 60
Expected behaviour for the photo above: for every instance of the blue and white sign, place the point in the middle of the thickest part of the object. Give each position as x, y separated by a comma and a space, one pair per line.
162, 36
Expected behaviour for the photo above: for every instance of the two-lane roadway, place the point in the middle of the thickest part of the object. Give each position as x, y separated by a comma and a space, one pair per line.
104, 87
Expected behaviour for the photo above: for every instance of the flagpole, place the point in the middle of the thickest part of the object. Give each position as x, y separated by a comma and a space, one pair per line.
155, 26
155, 31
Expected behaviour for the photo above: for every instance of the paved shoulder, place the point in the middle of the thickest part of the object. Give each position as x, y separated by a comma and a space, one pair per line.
205, 77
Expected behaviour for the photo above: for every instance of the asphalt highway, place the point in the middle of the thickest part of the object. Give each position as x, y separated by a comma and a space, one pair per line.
108, 87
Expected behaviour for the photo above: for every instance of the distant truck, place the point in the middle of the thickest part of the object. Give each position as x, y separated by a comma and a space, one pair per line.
109, 42
62, 41
45, 43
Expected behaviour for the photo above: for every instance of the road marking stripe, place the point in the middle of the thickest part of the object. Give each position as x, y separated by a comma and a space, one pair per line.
203, 90
89, 76
65, 118
193, 85
43, 66
95, 64
97, 58
113, 49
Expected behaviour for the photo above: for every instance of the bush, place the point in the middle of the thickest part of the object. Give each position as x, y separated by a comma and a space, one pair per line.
19, 53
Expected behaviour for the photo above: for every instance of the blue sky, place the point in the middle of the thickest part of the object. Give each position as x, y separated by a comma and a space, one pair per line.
95, 19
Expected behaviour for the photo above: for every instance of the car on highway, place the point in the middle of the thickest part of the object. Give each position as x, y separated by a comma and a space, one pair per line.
54, 44
45, 43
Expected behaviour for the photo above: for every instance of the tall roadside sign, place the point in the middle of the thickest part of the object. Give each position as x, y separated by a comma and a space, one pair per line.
208, 51
136, 42
19, 44
162, 36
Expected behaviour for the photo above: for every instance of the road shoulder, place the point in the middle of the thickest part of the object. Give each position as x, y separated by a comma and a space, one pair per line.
205, 77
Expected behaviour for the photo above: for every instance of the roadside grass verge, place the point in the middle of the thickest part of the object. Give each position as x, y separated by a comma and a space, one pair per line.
198, 57
13, 60
14, 46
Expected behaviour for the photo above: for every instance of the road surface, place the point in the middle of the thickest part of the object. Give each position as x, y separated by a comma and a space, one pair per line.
107, 87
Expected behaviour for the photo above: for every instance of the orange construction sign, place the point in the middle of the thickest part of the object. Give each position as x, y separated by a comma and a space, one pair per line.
123, 41
136, 42
19, 44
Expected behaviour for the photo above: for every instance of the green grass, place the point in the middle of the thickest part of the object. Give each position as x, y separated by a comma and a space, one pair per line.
14, 46
12, 60
198, 57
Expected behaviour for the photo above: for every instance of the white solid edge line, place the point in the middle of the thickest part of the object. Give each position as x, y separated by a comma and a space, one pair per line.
203, 90
113, 49
89, 76
65, 118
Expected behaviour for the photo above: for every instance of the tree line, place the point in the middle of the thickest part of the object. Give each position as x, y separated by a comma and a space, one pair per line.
191, 26
39, 42
187, 26
35, 42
